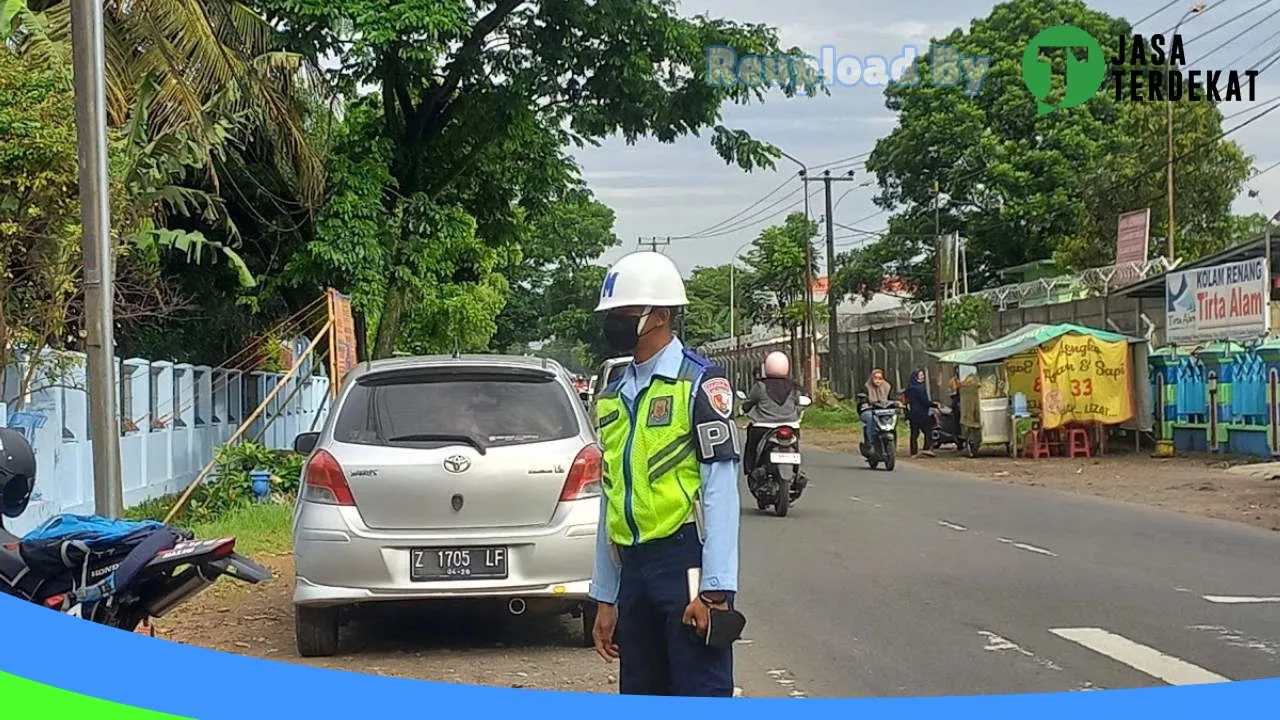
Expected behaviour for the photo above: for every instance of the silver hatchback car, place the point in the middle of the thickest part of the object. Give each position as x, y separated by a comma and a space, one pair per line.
447, 478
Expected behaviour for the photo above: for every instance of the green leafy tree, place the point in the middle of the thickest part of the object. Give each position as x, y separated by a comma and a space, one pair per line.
553, 268
707, 317
1023, 187
476, 101
775, 283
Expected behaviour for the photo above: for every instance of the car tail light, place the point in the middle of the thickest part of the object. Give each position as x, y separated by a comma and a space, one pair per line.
585, 475
324, 482
784, 433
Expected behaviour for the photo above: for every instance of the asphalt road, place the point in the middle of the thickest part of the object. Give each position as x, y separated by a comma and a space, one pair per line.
927, 583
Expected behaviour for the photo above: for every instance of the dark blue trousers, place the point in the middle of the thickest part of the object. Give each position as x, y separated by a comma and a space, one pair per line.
660, 655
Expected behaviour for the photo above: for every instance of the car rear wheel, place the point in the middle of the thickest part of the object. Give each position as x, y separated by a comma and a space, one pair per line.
316, 631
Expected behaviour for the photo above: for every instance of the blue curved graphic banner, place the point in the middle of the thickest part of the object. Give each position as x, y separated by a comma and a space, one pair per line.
59, 653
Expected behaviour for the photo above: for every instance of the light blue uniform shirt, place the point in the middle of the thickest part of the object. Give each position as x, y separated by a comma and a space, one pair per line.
720, 504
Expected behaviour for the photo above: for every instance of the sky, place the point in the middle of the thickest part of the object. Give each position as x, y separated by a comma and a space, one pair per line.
685, 188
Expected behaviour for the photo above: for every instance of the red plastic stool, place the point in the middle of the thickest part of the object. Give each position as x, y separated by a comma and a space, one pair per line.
1078, 443
1035, 445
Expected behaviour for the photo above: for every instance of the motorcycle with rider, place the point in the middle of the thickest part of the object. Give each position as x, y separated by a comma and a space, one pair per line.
771, 455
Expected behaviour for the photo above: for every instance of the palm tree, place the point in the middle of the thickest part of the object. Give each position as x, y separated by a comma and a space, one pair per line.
205, 58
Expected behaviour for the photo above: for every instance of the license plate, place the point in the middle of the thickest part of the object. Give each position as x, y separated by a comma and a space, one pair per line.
784, 458
459, 563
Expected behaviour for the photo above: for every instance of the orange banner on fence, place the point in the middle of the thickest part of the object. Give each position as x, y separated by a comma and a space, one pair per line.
343, 356
1084, 380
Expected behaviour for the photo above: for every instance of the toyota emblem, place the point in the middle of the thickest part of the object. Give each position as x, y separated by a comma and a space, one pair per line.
457, 464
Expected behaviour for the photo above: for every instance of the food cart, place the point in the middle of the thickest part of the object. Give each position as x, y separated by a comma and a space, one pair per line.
1006, 384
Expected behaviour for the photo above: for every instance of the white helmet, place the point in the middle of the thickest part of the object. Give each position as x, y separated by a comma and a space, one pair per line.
644, 279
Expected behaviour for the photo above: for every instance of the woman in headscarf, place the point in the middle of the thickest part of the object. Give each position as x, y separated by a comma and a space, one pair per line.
876, 390
773, 399
918, 415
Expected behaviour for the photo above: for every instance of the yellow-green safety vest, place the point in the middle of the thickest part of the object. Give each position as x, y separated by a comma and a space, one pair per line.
651, 470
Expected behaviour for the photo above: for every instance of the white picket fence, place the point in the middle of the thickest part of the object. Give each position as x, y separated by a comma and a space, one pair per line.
173, 416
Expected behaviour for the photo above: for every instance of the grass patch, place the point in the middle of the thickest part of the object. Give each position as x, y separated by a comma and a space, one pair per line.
830, 417
259, 529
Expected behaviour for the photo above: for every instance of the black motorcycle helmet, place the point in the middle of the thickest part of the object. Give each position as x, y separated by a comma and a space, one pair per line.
17, 472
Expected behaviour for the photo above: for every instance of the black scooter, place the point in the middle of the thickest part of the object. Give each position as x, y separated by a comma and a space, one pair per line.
86, 587
776, 479
946, 424
883, 447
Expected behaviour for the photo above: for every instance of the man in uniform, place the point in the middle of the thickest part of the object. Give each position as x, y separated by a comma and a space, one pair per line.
667, 546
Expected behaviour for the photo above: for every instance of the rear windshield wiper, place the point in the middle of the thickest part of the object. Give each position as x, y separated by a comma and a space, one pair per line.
440, 437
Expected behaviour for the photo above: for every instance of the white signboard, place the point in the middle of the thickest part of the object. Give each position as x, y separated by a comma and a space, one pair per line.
1223, 302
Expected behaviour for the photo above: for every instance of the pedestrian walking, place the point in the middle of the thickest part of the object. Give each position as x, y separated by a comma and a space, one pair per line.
666, 569
919, 413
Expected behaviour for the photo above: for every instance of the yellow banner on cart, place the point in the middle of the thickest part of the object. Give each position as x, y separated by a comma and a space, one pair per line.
1084, 380
1023, 373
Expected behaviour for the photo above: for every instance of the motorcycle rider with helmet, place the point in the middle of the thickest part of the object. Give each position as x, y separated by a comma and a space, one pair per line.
773, 400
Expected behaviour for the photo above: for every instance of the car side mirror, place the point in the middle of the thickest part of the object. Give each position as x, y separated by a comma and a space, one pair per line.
306, 442
805, 401
741, 395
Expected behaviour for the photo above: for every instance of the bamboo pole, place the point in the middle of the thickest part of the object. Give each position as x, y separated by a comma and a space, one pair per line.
267, 425
204, 472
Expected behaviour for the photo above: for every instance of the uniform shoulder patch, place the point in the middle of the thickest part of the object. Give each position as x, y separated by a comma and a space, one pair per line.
719, 394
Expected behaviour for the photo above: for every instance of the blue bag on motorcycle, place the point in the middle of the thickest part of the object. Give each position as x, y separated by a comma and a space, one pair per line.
66, 542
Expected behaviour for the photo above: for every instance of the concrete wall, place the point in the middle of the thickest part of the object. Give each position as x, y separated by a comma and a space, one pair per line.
173, 417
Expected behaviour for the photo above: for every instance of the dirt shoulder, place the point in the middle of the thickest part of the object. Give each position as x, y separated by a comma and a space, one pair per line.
442, 644
1197, 486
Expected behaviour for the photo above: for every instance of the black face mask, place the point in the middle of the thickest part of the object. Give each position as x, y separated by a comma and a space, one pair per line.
622, 332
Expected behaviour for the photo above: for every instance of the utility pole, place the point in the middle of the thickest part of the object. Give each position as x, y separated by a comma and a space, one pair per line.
832, 301
937, 264
654, 242
89, 66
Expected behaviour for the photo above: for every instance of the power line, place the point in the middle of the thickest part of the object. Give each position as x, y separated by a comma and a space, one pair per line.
1166, 6
735, 216
1242, 56
1224, 23
1274, 57
1190, 17
1230, 40
1266, 170
748, 223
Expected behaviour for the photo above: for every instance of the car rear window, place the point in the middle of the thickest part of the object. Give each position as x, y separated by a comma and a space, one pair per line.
435, 408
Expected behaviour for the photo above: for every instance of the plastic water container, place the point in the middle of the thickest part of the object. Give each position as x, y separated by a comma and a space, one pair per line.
1020, 405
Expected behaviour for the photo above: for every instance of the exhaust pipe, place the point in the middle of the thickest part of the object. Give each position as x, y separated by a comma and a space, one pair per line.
516, 606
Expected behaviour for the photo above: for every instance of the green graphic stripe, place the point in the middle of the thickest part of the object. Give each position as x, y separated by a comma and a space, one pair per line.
43, 701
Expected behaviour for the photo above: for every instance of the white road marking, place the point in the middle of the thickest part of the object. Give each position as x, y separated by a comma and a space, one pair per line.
855, 499
1239, 640
878, 505
1233, 600
1028, 547
995, 643
1149, 661
785, 679
1181, 590
953, 526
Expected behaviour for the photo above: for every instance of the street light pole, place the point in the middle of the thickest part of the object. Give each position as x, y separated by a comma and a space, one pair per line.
1168, 126
811, 344
89, 61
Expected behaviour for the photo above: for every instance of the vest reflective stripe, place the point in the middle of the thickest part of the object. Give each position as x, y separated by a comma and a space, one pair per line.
651, 470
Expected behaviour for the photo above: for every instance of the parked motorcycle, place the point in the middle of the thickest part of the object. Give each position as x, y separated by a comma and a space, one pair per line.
946, 424
111, 572
883, 447
777, 480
